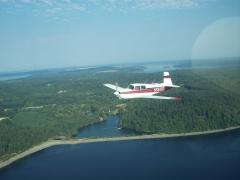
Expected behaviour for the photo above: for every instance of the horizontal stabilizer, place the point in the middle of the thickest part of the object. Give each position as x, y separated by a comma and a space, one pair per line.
174, 86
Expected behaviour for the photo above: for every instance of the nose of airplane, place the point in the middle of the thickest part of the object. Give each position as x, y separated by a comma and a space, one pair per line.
116, 93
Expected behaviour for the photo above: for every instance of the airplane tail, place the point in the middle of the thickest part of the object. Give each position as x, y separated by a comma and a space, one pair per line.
167, 81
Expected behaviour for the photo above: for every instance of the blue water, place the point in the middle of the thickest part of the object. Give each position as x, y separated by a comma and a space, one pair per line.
107, 128
6, 78
203, 157
166, 66
157, 67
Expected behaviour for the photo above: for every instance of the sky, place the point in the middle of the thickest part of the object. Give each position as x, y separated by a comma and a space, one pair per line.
39, 34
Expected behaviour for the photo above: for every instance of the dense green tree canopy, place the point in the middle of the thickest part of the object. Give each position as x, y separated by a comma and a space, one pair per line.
54, 104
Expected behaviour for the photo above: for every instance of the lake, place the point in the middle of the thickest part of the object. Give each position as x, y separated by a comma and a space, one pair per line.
107, 128
12, 77
215, 156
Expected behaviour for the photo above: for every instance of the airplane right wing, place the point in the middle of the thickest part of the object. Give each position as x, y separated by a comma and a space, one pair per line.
114, 87
161, 97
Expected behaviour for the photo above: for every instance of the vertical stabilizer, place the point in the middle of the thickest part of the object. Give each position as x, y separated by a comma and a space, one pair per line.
167, 81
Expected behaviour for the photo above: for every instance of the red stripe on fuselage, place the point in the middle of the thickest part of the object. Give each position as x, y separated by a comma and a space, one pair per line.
166, 76
167, 88
150, 90
139, 91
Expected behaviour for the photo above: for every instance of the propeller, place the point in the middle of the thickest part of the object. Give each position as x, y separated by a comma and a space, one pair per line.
116, 90
116, 86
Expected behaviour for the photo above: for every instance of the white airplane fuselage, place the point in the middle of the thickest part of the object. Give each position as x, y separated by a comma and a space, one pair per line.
142, 91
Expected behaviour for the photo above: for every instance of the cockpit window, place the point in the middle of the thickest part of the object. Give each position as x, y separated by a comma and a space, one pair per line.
143, 87
137, 87
131, 87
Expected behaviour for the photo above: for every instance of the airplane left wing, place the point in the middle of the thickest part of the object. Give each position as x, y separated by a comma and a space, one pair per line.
114, 87
161, 97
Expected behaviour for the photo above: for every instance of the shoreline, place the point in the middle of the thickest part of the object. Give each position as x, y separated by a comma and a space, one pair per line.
51, 143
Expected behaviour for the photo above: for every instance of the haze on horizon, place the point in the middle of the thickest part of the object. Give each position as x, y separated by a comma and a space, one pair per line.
48, 33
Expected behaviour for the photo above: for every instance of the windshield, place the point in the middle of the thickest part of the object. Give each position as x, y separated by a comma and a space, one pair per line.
131, 87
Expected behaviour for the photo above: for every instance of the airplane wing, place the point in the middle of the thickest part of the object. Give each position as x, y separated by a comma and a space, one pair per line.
114, 87
161, 97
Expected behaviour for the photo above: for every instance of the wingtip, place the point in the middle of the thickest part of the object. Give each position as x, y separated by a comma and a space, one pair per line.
178, 98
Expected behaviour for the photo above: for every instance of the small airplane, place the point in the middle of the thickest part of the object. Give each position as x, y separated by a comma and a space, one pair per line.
143, 90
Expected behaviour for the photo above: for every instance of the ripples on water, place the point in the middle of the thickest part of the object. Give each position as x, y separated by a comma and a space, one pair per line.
202, 157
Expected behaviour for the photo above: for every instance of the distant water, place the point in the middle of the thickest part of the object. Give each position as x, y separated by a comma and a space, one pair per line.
203, 157
176, 65
5, 78
161, 66
107, 128
157, 67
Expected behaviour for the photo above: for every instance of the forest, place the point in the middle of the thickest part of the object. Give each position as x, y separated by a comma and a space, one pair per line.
54, 104
48, 106
210, 100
